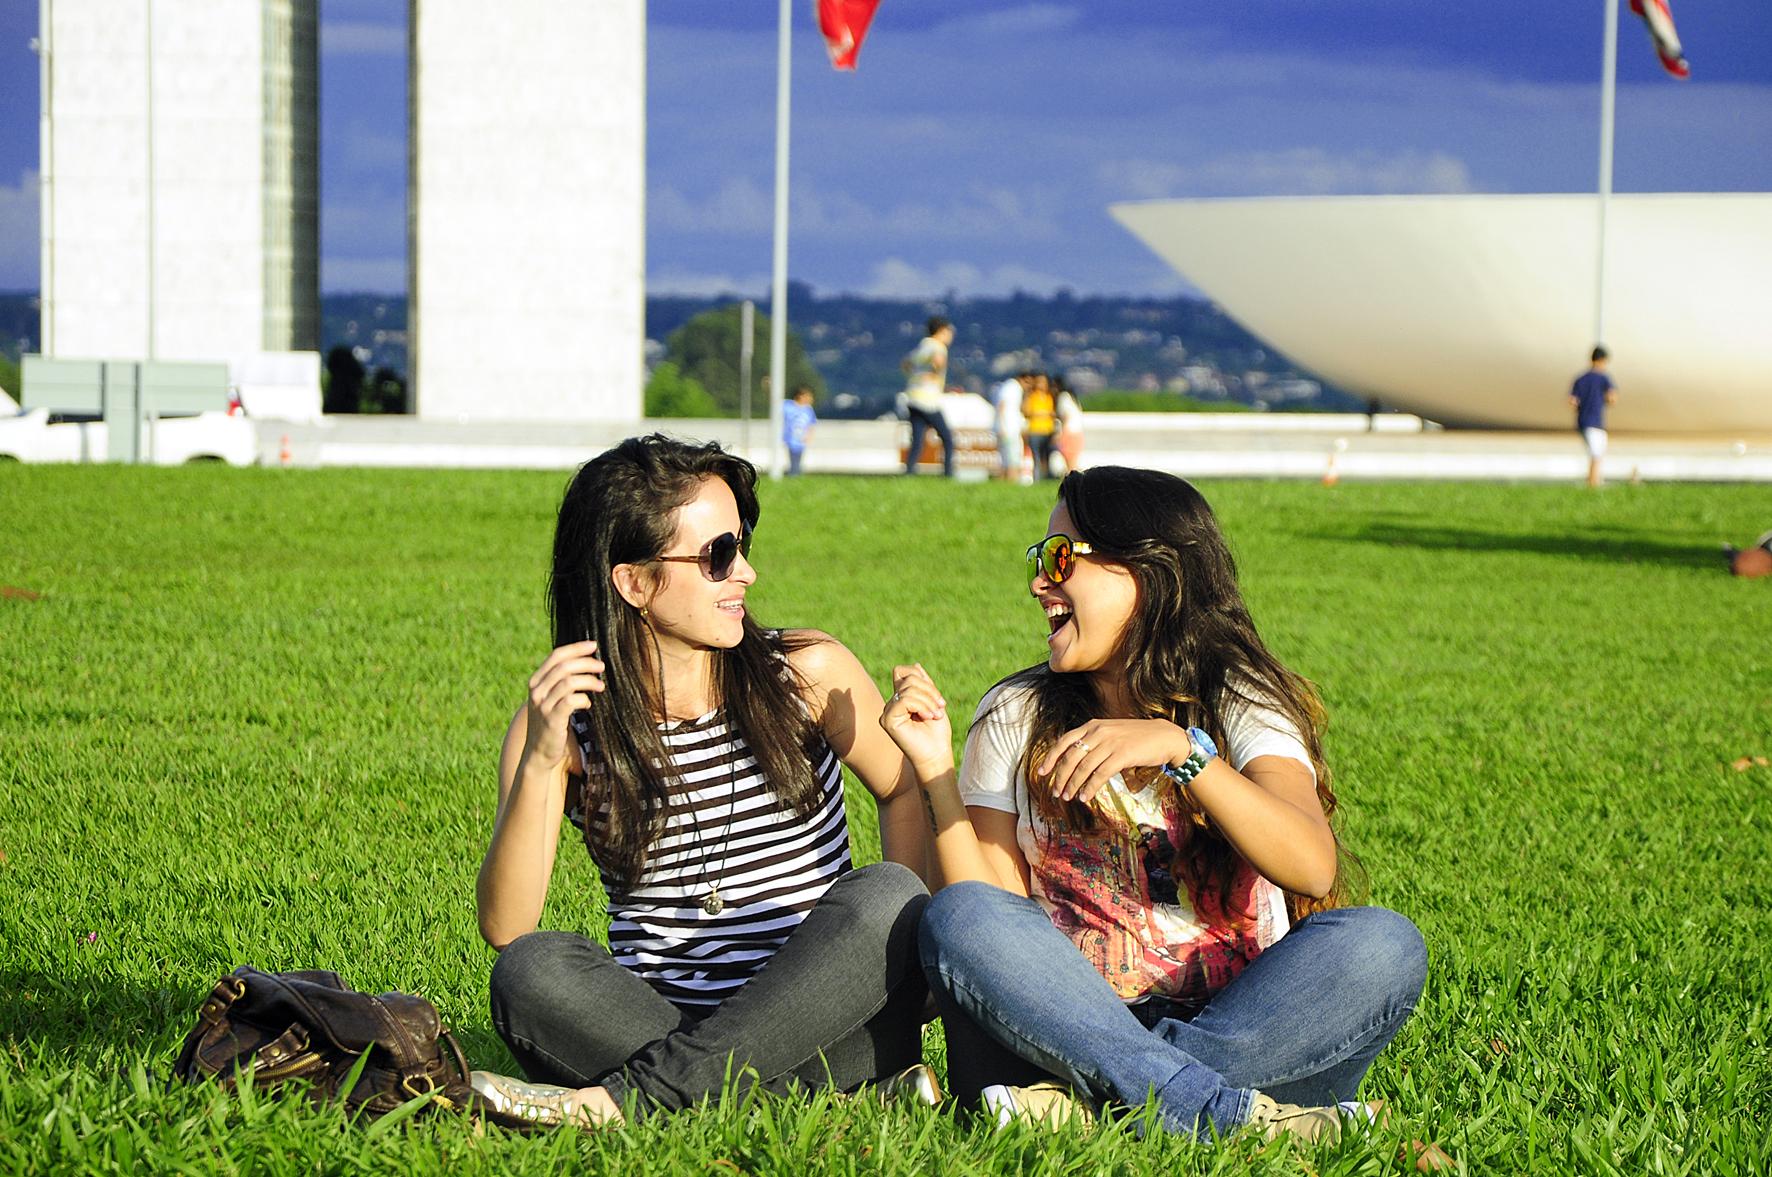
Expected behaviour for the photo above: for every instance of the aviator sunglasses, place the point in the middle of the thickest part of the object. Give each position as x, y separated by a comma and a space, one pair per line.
717, 556
1056, 556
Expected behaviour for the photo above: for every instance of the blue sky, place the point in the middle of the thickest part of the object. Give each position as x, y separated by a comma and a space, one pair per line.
978, 146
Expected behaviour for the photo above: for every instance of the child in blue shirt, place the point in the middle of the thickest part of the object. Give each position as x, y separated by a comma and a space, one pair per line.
797, 420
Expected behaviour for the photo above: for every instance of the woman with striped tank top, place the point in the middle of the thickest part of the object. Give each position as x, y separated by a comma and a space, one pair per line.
699, 756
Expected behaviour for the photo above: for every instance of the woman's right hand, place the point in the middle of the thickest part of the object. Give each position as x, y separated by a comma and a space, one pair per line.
564, 683
916, 717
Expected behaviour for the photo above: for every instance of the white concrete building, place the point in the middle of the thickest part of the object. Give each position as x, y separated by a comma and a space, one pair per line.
528, 209
179, 177
1480, 309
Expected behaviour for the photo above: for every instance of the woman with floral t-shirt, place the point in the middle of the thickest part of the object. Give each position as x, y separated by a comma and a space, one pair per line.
1144, 886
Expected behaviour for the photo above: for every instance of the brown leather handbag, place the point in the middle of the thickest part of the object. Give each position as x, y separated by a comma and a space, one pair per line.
311, 1026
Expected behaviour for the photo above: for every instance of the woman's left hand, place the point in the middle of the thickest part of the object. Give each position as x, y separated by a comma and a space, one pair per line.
1082, 761
916, 717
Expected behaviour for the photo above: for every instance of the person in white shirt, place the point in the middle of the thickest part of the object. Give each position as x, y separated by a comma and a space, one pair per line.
1070, 426
1007, 398
1130, 915
927, 369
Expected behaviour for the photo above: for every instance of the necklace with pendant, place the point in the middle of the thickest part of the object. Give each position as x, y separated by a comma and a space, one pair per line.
712, 903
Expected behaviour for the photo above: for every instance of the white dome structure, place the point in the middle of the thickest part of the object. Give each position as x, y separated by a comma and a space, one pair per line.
1479, 310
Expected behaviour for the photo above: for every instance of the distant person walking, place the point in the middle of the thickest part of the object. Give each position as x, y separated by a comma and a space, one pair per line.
1039, 412
1592, 393
1070, 425
797, 419
927, 369
1006, 399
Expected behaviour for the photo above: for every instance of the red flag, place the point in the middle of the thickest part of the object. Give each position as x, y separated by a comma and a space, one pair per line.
844, 23
1660, 20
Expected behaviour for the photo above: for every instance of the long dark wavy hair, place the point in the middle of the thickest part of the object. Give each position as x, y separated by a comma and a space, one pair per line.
1190, 651
621, 508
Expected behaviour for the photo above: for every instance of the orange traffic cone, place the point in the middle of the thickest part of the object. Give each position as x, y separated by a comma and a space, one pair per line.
283, 451
1330, 476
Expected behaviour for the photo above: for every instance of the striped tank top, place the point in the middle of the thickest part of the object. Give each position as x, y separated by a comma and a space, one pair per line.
726, 826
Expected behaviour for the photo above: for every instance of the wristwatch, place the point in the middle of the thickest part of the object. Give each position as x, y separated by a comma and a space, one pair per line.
1203, 752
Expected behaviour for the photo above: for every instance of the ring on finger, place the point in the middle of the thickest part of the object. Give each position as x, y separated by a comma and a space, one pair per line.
1082, 746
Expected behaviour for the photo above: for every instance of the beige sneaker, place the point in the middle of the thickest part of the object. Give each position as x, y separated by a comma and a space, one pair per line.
1317, 1125
520, 1104
1048, 1104
915, 1085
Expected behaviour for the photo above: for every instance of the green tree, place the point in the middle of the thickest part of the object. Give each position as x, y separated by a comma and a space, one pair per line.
669, 393
9, 379
705, 350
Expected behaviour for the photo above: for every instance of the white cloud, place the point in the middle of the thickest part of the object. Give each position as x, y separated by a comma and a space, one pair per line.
1316, 171
1296, 171
706, 285
20, 243
898, 278
363, 275
359, 38
1027, 20
367, 224
740, 207
1142, 179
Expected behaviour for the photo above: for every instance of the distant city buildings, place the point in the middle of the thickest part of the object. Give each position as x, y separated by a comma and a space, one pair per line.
1103, 344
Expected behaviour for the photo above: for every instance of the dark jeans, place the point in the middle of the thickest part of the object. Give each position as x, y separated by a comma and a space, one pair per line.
794, 457
840, 1004
1302, 1023
1043, 445
922, 422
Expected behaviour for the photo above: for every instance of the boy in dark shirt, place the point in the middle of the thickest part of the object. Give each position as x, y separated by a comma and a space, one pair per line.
1592, 392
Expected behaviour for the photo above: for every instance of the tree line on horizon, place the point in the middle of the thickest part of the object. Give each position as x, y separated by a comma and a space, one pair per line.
845, 347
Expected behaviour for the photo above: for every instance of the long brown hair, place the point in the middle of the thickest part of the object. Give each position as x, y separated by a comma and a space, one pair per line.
621, 508
1190, 652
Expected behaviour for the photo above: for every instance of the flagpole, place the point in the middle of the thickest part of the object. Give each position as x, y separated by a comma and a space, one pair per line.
1608, 101
778, 295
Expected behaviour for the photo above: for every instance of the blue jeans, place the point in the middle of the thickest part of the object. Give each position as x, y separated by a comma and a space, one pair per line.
1301, 1023
921, 422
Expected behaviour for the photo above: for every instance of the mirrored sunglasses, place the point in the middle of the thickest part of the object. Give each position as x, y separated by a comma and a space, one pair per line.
1056, 556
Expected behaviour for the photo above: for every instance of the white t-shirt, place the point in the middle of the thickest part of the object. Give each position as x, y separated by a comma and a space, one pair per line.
1008, 400
1114, 889
929, 364
1070, 413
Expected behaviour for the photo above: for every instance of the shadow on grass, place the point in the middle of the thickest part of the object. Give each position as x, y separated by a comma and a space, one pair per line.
76, 1016
75, 1019
1612, 545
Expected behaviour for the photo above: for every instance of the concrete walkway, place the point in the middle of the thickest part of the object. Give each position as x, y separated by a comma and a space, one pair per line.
1194, 445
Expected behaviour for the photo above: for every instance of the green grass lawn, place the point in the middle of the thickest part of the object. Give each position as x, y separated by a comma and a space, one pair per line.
253, 718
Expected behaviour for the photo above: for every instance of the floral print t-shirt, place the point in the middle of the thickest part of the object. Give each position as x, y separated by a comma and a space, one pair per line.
1114, 889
